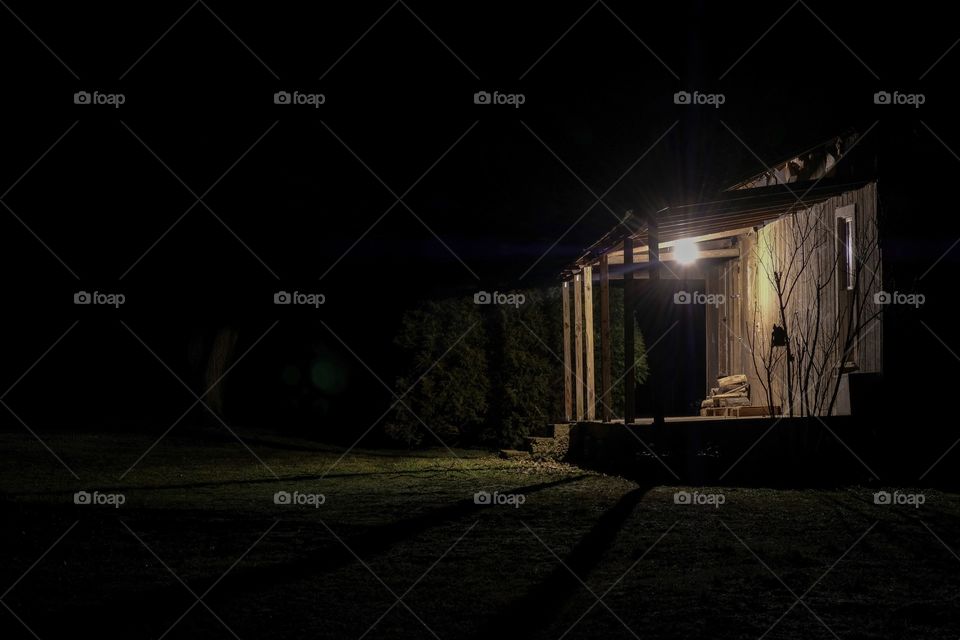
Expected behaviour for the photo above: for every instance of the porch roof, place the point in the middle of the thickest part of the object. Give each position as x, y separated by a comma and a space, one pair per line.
730, 214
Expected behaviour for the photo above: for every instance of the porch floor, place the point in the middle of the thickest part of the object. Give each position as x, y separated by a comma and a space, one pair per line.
682, 419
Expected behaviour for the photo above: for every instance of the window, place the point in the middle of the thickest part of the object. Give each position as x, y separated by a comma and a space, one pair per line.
846, 241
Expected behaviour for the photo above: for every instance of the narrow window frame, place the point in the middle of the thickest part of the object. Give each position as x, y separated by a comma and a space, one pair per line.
846, 232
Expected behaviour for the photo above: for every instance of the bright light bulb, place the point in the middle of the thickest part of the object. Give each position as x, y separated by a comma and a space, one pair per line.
685, 251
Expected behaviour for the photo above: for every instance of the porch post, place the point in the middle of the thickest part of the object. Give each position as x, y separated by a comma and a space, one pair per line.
629, 402
567, 366
588, 373
578, 343
653, 240
653, 247
605, 339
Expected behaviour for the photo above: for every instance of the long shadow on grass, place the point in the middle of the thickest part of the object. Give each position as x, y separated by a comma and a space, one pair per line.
203, 484
321, 447
144, 605
536, 610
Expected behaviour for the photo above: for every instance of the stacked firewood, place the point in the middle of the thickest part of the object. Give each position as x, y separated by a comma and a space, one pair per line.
731, 391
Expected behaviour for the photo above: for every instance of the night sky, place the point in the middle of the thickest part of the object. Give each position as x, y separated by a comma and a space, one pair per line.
198, 197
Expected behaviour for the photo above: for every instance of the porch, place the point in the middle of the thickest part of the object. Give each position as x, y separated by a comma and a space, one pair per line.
708, 251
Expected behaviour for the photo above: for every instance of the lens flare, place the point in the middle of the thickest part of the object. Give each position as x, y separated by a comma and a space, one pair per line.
685, 251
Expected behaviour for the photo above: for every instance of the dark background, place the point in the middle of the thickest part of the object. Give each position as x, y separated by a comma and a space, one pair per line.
399, 99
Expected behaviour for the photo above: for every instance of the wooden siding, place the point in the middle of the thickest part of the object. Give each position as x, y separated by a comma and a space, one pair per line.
739, 332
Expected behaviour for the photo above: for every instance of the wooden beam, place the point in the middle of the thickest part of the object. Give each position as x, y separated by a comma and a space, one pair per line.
605, 347
588, 364
578, 344
617, 254
690, 272
705, 254
706, 237
629, 379
567, 365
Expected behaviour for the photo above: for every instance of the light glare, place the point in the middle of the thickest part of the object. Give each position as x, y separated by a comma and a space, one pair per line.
685, 251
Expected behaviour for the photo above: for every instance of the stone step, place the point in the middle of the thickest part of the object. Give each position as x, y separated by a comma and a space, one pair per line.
541, 446
559, 430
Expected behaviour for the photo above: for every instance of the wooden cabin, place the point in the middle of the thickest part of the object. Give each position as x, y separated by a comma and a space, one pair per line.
765, 300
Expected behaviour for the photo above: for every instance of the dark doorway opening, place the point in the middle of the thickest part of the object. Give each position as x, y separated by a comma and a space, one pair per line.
671, 315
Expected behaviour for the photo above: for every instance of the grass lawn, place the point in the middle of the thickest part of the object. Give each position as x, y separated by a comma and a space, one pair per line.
199, 520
